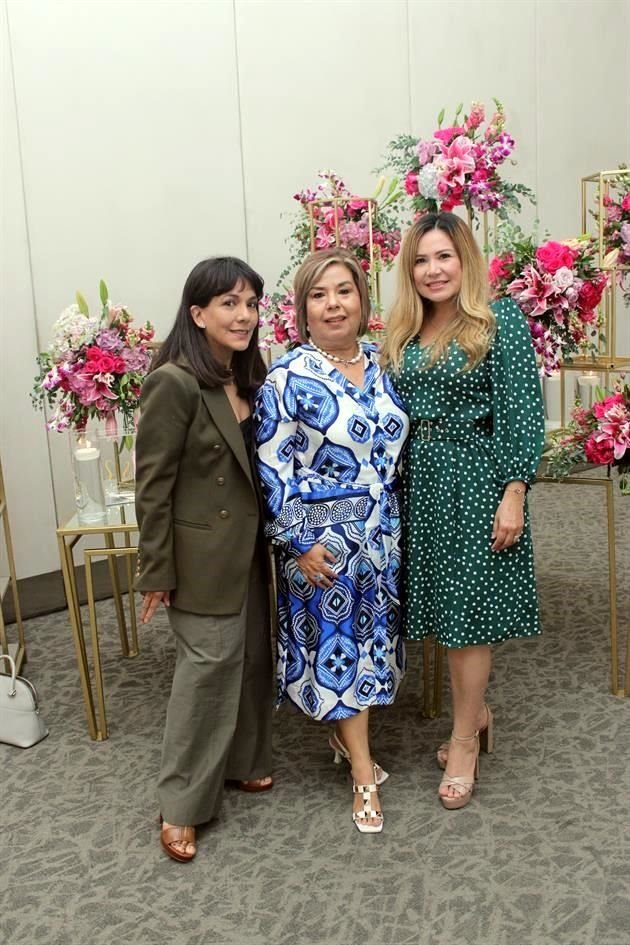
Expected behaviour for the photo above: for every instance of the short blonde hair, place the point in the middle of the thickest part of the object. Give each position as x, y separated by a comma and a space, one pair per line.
310, 271
474, 327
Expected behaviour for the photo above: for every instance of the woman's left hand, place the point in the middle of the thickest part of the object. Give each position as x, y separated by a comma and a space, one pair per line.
509, 521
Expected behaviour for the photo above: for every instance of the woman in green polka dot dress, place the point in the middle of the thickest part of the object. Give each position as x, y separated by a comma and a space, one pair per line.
466, 372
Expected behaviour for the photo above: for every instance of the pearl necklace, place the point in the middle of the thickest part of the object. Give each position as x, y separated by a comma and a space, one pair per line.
333, 357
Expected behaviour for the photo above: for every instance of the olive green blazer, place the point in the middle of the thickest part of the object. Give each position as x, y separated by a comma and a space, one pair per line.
197, 505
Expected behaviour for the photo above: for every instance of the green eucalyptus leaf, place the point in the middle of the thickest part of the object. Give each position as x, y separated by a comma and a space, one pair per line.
103, 291
440, 118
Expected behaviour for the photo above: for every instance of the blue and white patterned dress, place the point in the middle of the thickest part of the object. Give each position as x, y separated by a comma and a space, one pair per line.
328, 457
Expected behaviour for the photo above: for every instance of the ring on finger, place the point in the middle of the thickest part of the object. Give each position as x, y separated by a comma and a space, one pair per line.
318, 577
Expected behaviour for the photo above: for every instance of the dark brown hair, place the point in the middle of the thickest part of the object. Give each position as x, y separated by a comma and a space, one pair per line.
186, 343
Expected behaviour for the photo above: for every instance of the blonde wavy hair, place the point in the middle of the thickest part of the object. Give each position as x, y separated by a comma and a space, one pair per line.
473, 327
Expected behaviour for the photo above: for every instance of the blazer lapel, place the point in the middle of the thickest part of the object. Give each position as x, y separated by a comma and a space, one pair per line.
221, 411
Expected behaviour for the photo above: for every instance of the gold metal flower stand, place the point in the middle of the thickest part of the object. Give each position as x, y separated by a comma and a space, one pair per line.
120, 521
16, 648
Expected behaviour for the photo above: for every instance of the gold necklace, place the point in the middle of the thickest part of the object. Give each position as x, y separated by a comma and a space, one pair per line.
333, 357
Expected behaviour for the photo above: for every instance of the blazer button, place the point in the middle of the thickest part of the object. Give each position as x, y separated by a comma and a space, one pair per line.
220, 480
216, 447
224, 513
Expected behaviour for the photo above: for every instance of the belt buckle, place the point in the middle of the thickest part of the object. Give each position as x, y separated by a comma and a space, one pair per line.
425, 431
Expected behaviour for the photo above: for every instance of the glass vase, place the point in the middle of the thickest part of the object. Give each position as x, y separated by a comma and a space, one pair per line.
117, 447
624, 480
89, 494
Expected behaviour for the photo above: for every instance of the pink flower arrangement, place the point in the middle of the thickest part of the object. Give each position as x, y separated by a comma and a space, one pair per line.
338, 218
616, 228
343, 219
617, 219
559, 287
94, 367
277, 315
599, 435
458, 165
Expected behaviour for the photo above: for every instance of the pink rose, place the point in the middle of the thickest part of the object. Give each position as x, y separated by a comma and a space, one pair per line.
625, 203
590, 296
100, 362
600, 453
411, 184
499, 267
553, 256
600, 407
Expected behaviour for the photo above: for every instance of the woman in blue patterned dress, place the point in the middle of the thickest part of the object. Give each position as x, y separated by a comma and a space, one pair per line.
466, 372
330, 431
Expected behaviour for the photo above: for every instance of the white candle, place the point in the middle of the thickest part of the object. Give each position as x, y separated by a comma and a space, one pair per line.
86, 454
587, 383
90, 497
551, 394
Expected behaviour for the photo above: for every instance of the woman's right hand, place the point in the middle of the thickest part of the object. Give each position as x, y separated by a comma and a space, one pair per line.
151, 601
315, 566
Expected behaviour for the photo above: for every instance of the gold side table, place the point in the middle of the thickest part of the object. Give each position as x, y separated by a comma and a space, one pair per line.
433, 653
120, 520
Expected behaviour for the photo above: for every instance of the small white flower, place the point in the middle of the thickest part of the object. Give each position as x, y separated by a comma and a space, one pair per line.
427, 181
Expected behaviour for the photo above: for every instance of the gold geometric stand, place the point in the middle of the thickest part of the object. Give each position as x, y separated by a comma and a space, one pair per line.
120, 521
16, 649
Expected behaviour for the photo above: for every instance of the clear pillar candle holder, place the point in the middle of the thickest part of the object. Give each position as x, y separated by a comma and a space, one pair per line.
89, 495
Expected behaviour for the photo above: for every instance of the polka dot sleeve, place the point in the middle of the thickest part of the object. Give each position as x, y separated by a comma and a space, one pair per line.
517, 405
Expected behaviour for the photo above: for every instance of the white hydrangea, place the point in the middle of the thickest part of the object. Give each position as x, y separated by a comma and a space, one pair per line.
427, 181
72, 331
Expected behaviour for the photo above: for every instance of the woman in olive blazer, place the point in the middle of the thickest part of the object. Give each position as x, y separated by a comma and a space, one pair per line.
201, 551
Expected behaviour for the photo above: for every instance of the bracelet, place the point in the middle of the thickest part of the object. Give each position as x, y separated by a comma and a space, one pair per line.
517, 489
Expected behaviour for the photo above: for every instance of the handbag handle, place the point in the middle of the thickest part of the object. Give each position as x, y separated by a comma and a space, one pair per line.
5, 656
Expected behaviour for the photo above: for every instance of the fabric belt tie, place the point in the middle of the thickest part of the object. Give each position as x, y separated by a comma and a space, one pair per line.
444, 428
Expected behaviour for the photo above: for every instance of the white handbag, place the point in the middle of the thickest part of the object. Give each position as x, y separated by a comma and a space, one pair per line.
20, 721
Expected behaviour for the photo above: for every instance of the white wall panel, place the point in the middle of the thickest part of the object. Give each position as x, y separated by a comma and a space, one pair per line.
22, 435
324, 84
131, 152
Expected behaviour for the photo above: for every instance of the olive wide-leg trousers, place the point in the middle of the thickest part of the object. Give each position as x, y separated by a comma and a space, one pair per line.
218, 720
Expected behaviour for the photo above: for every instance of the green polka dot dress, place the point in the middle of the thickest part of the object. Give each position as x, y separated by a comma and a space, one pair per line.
486, 428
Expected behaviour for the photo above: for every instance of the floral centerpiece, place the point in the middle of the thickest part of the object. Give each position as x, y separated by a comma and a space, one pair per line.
599, 434
330, 215
557, 285
459, 165
616, 228
339, 218
94, 366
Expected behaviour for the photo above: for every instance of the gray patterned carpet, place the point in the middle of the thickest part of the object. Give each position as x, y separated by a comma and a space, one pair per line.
541, 856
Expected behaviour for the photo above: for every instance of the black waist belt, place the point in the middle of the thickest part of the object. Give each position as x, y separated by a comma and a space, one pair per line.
445, 428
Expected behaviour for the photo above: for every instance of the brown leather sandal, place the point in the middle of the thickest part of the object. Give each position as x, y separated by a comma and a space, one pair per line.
253, 787
171, 835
